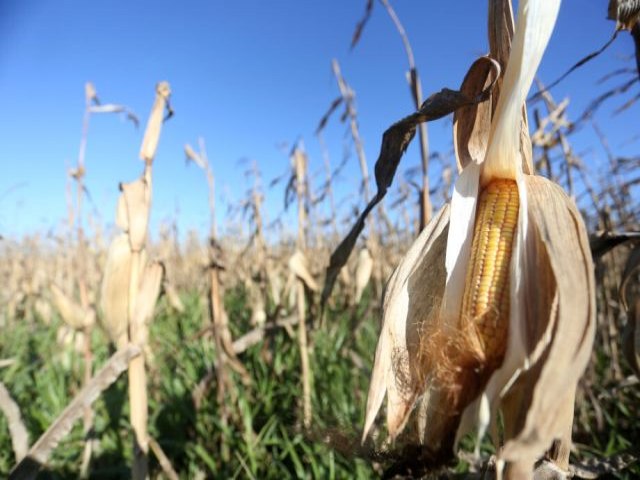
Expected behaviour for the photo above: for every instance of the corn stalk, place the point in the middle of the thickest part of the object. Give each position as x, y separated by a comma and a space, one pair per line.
226, 357
300, 166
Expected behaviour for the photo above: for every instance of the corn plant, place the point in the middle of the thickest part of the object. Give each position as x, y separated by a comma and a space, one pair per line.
507, 322
131, 283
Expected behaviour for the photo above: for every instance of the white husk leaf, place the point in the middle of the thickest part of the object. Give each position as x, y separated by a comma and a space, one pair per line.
406, 308
137, 199
463, 210
536, 19
146, 299
154, 124
114, 296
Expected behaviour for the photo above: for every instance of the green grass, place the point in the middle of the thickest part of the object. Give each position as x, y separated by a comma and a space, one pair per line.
263, 438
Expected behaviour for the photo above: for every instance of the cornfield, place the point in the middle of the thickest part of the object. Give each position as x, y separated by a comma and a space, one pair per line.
495, 304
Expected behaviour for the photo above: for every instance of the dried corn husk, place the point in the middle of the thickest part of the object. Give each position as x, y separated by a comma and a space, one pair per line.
154, 124
43, 310
137, 201
146, 299
90, 92
71, 312
299, 265
114, 296
364, 267
275, 285
552, 314
172, 296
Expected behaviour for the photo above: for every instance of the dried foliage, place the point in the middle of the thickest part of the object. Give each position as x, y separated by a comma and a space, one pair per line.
232, 313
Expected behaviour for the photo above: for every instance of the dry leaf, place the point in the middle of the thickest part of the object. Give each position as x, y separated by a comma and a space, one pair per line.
194, 157
395, 141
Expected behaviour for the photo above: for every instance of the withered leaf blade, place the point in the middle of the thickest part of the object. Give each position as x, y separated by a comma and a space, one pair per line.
395, 141
39, 453
471, 124
360, 25
17, 430
194, 157
115, 108
325, 118
574, 67
605, 241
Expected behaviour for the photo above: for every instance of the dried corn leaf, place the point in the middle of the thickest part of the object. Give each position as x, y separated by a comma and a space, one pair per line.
191, 154
39, 453
395, 141
17, 430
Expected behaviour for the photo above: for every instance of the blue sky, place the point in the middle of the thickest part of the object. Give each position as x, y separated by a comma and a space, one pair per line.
250, 77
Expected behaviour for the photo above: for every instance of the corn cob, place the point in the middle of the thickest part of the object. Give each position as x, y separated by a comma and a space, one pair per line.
485, 305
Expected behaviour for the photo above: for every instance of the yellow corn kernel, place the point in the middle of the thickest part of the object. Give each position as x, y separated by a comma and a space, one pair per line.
485, 306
